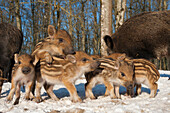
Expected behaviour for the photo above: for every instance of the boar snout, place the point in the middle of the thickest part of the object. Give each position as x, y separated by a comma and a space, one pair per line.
26, 70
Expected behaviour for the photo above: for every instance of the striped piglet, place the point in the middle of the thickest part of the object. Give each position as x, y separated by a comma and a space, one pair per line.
112, 73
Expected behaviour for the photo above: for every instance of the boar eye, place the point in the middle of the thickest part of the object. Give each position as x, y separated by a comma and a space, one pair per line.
122, 74
84, 59
60, 40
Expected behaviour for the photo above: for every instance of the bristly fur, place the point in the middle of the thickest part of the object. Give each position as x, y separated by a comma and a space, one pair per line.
139, 36
11, 42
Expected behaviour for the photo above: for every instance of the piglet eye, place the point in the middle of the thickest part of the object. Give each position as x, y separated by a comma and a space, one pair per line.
60, 40
84, 59
19, 62
31, 62
122, 74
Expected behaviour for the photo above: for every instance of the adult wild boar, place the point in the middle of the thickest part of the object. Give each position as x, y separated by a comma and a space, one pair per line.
10, 43
146, 35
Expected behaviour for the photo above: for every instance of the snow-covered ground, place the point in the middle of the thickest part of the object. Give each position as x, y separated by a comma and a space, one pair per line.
139, 104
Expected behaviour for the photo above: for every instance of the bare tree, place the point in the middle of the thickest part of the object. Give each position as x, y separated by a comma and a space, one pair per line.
18, 17
106, 23
121, 5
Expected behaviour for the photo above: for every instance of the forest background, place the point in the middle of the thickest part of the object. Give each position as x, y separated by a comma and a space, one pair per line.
81, 18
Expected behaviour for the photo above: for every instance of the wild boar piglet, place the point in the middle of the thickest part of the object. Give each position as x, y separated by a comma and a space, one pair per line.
57, 44
145, 73
112, 73
64, 71
23, 73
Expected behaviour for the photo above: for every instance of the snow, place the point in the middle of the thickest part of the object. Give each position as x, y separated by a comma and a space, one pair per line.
139, 104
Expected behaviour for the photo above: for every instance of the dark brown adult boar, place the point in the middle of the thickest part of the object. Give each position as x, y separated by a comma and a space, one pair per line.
146, 35
10, 43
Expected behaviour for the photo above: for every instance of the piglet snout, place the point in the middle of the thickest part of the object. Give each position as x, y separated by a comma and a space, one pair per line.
26, 70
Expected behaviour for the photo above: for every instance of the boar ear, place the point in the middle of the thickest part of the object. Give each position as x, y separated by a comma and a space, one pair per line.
51, 31
109, 42
16, 58
71, 58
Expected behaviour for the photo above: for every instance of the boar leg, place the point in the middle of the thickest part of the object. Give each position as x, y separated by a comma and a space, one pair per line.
39, 85
1, 83
88, 87
117, 92
138, 89
12, 91
17, 94
72, 90
49, 89
28, 90
110, 89
153, 88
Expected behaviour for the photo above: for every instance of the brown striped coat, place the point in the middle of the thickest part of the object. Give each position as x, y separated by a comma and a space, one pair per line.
58, 44
66, 72
112, 73
145, 73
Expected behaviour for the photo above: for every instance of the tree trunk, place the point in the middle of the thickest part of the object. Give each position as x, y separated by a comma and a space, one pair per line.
70, 19
165, 5
18, 17
120, 13
95, 40
82, 22
1, 15
106, 23
58, 15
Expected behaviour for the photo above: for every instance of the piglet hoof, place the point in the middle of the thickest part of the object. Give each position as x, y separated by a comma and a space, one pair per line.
151, 96
27, 98
119, 97
56, 99
8, 100
77, 100
38, 99
113, 97
92, 97
16, 101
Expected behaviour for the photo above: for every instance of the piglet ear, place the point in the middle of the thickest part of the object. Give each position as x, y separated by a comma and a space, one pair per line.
122, 57
35, 60
71, 58
51, 31
117, 65
16, 57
